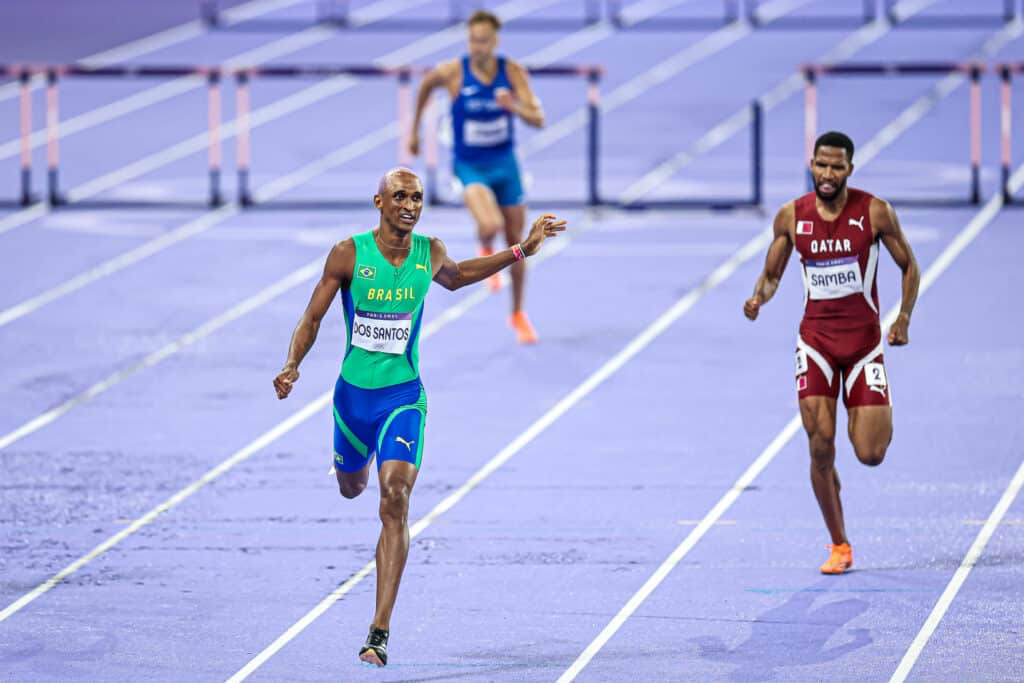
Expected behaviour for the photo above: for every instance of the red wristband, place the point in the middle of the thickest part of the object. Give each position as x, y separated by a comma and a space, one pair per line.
518, 253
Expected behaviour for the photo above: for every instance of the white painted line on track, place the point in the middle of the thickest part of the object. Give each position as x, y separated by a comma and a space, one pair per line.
581, 391
658, 74
162, 39
297, 277
312, 408
910, 658
939, 266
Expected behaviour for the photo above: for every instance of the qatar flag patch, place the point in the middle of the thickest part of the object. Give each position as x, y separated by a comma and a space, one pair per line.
804, 227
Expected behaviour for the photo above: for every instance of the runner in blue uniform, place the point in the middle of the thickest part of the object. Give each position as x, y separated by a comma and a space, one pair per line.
487, 92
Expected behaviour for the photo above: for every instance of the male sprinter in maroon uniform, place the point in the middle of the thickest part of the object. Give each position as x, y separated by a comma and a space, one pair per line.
836, 231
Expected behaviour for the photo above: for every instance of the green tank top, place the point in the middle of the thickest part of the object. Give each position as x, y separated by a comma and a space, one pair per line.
384, 312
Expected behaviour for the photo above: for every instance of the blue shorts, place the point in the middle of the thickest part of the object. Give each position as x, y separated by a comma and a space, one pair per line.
385, 422
502, 176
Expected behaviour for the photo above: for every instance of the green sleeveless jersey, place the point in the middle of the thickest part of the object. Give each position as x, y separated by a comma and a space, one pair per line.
384, 312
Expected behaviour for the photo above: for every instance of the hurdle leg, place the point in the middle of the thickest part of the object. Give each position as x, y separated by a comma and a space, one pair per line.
25, 79
1005, 130
242, 141
214, 107
52, 135
975, 135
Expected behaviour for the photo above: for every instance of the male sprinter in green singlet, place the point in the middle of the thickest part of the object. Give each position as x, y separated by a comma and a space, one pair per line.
379, 404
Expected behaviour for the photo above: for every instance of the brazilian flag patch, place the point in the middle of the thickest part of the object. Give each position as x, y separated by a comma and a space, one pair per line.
366, 272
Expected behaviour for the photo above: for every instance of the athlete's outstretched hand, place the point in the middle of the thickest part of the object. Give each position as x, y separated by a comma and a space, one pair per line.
414, 143
284, 381
899, 333
544, 227
752, 307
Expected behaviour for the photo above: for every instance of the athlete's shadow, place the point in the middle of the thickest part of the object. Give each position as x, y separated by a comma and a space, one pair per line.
792, 634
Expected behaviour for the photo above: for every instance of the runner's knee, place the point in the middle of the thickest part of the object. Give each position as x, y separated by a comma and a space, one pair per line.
349, 488
394, 503
871, 455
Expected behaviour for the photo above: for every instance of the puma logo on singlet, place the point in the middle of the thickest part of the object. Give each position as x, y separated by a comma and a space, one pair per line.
420, 266
858, 222
407, 444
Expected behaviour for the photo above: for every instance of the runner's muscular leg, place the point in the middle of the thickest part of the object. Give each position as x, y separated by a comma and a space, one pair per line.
483, 206
870, 431
819, 418
515, 219
397, 478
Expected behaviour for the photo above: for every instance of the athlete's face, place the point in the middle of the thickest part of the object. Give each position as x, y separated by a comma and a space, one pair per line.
830, 168
483, 41
400, 201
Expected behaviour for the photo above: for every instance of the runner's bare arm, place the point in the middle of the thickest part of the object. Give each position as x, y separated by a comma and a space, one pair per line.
521, 101
436, 78
337, 274
779, 252
887, 228
452, 275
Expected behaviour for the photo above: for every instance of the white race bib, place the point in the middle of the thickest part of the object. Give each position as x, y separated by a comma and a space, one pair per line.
381, 332
874, 375
485, 133
834, 278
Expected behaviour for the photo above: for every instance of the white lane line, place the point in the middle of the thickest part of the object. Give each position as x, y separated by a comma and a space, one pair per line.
243, 308
706, 47
312, 408
1009, 495
581, 391
261, 116
952, 250
711, 519
172, 88
161, 40
945, 87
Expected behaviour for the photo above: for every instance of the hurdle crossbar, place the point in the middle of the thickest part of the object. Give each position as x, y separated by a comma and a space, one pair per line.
813, 72
244, 76
214, 76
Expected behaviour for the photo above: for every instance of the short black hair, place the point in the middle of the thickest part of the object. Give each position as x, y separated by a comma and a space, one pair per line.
834, 138
482, 16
